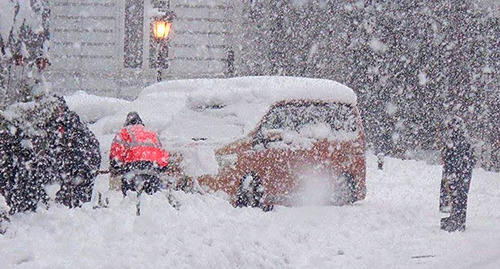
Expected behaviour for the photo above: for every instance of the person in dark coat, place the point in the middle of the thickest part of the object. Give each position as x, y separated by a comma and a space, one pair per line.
21, 190
458, 164
7, 141
73, 151
46, 143
7, 158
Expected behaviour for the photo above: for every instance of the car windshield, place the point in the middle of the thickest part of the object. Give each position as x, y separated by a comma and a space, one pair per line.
295, 116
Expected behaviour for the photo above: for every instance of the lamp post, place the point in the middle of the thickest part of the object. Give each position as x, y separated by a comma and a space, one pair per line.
161, 31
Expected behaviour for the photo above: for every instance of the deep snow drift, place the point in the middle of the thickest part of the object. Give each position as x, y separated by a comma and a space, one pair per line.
396, 226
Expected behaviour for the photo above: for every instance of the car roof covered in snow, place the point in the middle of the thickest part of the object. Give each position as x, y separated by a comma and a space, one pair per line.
269, 89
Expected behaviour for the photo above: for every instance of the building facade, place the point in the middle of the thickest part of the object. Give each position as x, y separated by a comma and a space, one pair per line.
106, 47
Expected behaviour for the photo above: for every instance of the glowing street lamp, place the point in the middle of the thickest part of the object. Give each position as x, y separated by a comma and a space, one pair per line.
161, 30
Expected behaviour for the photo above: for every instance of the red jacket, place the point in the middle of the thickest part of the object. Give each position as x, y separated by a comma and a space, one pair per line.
135, 143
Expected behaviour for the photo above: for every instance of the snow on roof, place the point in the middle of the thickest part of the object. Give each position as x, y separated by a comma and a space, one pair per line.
204, 107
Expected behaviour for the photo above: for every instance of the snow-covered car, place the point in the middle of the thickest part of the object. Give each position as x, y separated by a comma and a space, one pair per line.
297, 135
308, 148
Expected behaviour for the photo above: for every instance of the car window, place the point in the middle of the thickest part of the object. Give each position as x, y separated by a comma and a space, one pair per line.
294, 117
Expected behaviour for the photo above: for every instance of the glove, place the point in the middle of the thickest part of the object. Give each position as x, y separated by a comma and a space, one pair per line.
114, 166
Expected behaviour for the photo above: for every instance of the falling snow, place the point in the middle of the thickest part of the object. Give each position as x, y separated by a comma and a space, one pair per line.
409, 67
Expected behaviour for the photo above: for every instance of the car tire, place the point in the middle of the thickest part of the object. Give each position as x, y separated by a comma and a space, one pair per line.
250, 192
344, 190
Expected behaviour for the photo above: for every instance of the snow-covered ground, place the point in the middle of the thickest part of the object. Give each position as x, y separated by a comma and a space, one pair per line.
396, 226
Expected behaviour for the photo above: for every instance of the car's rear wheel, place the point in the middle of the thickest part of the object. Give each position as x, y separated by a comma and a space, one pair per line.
344, 190
250, 193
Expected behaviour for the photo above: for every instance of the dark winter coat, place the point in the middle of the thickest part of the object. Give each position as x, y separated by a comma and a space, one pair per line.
7, 142
458, 164
18, 185
49, 145
73, 153
458, 156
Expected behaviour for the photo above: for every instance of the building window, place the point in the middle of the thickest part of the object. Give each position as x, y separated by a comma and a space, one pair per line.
134, 25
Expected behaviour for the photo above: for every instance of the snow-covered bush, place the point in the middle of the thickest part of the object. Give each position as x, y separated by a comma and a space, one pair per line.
23, 49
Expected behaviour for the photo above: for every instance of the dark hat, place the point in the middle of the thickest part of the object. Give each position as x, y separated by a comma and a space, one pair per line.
60, 103
456, 123
133, 119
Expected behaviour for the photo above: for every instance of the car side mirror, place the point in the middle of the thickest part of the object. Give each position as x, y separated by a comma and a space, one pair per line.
265, 137
273, 136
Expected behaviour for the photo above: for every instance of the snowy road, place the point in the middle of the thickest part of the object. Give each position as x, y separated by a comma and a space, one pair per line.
397, 226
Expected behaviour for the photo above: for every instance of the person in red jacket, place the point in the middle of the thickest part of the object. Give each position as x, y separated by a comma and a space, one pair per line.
137, 151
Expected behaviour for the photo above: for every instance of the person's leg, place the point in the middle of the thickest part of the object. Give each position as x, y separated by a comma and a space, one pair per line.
63, 196
448, 223
115, 182
152, 184
83, 192
127, 185
463, 192
459, 205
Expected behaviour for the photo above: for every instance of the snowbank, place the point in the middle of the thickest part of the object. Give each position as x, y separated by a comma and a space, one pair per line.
397, 226
91, 108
